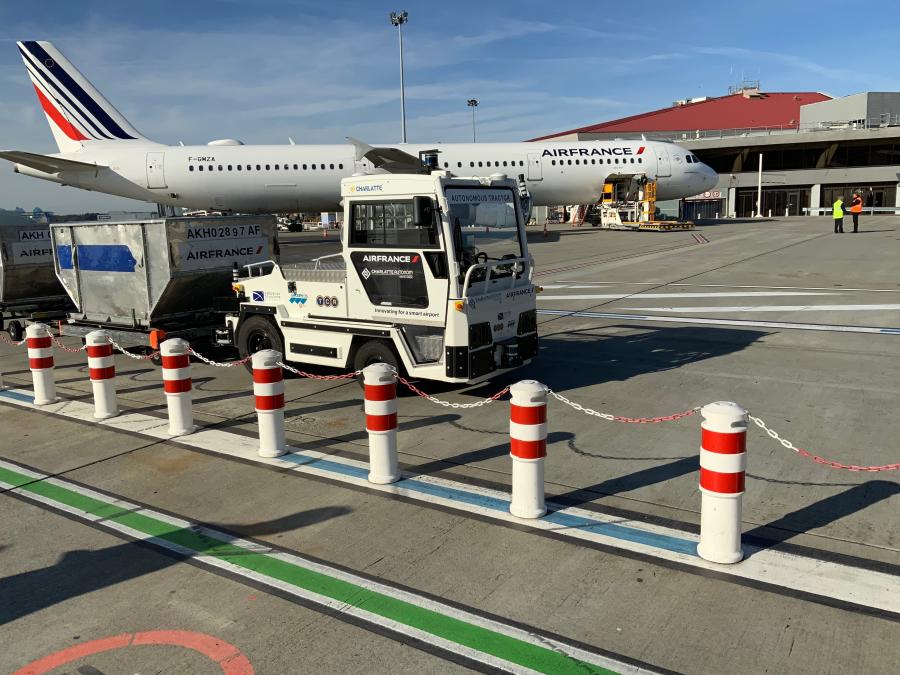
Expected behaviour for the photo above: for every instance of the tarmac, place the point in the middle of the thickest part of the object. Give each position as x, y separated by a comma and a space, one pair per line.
194, 555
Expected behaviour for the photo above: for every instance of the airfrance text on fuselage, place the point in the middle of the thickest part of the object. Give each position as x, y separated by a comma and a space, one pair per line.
588, 152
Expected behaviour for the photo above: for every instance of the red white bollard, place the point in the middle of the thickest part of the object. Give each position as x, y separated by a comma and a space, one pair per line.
40, 361
380, 382
176, 374
528, 447
102, 368
268, 391
723, 461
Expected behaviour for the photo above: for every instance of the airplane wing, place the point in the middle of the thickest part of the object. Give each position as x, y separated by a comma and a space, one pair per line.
46, 163
392, 160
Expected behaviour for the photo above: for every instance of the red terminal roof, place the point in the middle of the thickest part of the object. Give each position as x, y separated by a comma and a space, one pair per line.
735, 111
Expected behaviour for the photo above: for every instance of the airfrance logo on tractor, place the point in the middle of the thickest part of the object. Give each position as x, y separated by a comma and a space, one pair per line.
391, 258
590, 152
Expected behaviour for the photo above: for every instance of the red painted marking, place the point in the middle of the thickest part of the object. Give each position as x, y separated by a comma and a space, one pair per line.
267, 375
54, 114
640, 150
99, 350
39, 342
381, 392
381, 422
275, 402
177, 361
726, 483
521, 414
176, 386
41, 364
725, 444
228, 657
527, 449
103, 373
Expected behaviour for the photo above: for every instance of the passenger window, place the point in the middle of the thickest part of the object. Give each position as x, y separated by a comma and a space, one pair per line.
331, 166
390, 224
312, 167
521, 163
472, 164
640, 160
479, 164
446, 166
229, 167
569, 162
553, 162
258, 167
200, 167
340, 166
238, 167
191, 167
459, 165
276, 167
322, 166
304, 167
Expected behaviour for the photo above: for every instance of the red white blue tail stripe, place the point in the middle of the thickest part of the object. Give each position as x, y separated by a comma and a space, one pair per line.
69, 100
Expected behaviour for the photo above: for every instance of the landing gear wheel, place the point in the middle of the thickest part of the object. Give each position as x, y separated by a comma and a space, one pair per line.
255, 334
16, 330
374, 351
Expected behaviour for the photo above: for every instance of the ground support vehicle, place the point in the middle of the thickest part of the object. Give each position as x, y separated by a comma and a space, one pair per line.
29, 289
633, 209
434, 277
147, 280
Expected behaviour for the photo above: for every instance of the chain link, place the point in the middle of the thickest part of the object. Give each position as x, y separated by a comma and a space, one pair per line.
59, 343
344, 376
619, 418
8, 340
450, 404
136, 357
230, 364
816, 458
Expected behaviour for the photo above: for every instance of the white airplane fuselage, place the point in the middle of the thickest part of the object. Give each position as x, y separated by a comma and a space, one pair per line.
307, 177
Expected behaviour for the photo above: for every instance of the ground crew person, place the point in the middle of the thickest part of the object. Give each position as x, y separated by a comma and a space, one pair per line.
855, 209
837, 212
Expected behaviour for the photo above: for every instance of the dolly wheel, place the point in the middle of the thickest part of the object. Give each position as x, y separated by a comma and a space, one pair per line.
16, 330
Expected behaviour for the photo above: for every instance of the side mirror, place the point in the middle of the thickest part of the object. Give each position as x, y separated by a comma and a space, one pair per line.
423, 211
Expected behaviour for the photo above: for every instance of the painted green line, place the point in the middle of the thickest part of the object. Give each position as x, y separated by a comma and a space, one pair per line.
449, 628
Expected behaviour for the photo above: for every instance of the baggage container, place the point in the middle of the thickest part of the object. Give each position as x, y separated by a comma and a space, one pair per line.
164, 273
29, 289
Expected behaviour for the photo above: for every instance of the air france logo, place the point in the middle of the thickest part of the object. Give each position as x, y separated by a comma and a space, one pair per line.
409, 259
591, 152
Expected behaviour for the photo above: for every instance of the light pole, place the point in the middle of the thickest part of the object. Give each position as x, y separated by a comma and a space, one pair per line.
398, 19
473, 103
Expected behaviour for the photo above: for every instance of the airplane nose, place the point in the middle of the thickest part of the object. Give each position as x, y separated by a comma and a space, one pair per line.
710, 178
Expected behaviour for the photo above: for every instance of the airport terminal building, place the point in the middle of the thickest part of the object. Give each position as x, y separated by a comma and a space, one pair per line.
814, 148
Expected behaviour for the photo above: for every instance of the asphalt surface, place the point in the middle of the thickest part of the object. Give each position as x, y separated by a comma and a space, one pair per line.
795, 323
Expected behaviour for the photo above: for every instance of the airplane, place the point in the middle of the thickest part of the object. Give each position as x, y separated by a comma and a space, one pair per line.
100, 150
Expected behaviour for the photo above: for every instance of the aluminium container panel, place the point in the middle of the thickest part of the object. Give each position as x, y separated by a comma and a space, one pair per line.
139, 273
26, 265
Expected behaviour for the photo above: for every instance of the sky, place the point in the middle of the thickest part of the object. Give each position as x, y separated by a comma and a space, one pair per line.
265, 70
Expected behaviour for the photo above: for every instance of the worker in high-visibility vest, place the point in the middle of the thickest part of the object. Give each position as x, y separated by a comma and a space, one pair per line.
837, 212
855, 209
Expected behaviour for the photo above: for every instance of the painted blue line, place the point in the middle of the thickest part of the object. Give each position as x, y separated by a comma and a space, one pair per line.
461, 495
623, 532
17, 396
891, 331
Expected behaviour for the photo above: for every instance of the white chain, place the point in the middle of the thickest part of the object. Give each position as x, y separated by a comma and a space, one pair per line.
136, 357
772, 434
448, 404
210, 362
581, 408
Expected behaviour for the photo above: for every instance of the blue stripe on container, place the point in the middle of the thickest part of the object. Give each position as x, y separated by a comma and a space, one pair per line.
105, 258
64, 256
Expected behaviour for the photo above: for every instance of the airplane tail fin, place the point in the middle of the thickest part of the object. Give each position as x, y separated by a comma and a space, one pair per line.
76, 111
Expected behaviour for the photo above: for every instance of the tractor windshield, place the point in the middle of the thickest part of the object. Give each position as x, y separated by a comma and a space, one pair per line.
484, 224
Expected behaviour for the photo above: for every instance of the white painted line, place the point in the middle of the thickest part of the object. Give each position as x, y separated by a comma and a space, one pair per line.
808, 575
722, 322
769, 308
296, 590
656, 296
570, 284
